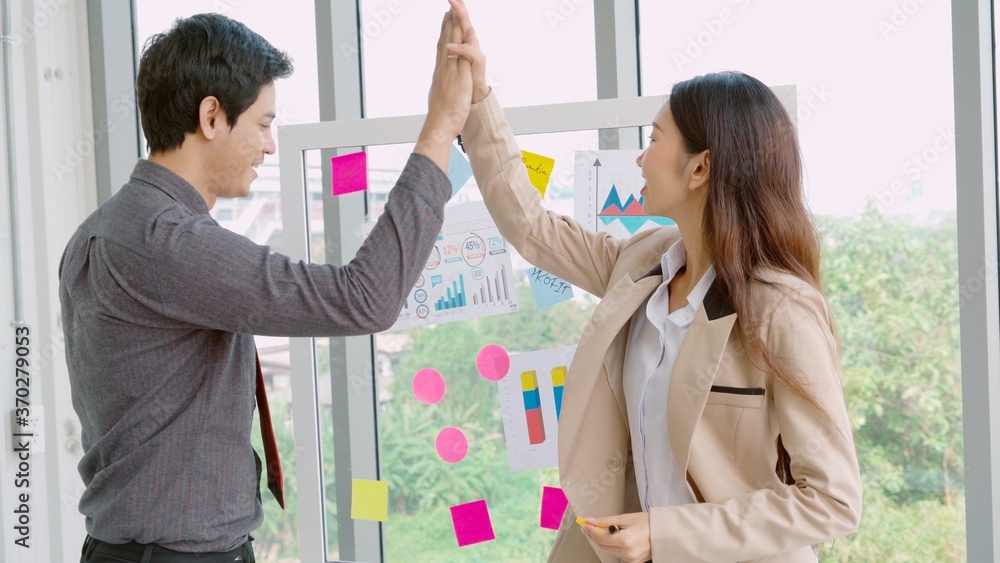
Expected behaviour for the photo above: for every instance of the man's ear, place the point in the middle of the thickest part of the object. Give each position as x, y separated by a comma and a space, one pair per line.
211, 117
702, 170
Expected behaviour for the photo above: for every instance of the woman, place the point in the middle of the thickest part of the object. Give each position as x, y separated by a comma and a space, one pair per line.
703, 417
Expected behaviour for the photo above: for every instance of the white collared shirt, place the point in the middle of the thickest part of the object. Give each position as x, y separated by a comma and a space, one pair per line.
654, 340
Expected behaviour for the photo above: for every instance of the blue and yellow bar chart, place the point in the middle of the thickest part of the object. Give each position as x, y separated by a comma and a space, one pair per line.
531, 399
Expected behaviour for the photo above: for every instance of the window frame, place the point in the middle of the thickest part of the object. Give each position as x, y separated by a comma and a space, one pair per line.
976, 163
357, 419
112, 38
979, 313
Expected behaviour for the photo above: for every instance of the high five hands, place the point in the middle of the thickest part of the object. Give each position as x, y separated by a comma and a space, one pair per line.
449, 98
468, 49
459, 81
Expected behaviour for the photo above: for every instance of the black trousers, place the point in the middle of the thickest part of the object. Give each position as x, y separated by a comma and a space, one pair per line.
96, 551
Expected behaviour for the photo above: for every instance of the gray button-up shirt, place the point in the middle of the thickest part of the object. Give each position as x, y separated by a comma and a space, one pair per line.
159, 308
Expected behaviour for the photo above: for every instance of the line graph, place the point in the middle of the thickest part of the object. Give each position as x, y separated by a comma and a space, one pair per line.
607, 193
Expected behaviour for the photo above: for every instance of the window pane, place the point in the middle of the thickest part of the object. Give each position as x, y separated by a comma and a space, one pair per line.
258, 216
875, 119
551, 61
422, 486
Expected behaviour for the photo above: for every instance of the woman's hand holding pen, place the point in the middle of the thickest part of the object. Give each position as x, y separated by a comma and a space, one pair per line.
469, 50
629, 540
449, 98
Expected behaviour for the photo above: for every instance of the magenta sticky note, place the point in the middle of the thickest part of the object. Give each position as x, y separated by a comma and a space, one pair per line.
493, 362
553, 507
349, 173
429, 386
452, 445
472, 523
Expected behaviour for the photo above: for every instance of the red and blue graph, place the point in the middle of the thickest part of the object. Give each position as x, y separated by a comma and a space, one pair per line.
532, 407
629, 214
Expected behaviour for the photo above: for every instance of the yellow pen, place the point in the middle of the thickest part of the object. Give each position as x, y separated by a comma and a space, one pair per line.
612, 529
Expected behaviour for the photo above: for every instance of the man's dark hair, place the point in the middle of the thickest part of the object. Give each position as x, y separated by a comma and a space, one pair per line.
204, 55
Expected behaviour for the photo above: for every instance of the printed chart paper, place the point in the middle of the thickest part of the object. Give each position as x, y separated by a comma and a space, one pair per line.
531, 404
606, 190
468, 274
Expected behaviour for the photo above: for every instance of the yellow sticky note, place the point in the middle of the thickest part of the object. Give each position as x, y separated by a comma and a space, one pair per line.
539, 169
370, 500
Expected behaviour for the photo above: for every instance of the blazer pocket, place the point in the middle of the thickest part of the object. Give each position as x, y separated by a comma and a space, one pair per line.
744, 397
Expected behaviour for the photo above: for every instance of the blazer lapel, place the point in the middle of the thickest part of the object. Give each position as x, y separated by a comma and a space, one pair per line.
631, 297
591, 433
596, 343
694, 370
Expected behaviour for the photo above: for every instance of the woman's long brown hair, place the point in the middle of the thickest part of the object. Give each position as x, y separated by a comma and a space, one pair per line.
755, 214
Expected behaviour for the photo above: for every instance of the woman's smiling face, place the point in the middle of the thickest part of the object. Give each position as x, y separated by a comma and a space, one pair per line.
668, 168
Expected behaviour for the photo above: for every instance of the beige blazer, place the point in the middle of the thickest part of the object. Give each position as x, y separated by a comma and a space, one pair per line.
725, 414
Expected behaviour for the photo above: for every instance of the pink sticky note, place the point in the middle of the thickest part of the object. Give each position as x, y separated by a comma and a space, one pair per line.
350, 173
493, 362
428, 386
452, 445
553, 507
472, 523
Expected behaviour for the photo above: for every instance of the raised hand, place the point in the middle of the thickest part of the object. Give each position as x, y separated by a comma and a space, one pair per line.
449, 98
469, 50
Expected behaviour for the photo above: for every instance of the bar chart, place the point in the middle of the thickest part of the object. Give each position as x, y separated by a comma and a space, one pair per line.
468, 274
454, 298
493, 290
531, 399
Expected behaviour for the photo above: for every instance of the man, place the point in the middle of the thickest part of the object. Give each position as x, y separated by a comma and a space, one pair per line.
160, 304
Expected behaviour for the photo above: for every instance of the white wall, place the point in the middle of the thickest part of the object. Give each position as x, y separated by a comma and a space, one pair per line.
55, 190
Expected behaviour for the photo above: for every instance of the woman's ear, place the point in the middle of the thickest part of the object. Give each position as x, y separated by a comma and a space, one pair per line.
211, 117
702, 163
